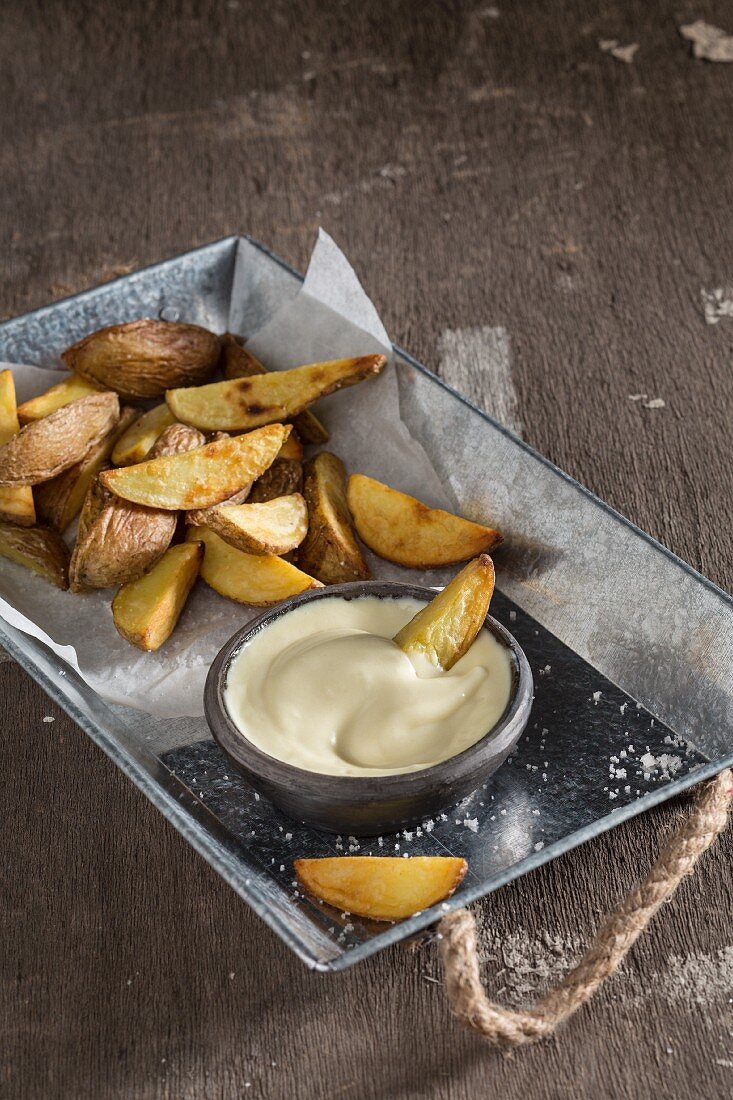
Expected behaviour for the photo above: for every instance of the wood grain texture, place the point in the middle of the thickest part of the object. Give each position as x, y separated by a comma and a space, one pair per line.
480, 171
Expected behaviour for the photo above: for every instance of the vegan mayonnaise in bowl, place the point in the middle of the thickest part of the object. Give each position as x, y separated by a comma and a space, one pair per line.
324, 715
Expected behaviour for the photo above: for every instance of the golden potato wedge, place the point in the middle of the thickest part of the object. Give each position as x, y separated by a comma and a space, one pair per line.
47, 447
275, 527
266, 398
202, 477
381, 887
118, 541
256, 579
70, 388
284, 477
145, 358
401, 529
145, 611
445, 628
37, 548
330, 551
237, 362
59, 500
292, 448
134, 445
16, 502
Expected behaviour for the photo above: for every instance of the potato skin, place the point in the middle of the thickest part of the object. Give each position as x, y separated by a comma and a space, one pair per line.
61, 498
145, 358
119, 541
45, 448
16, 501
284, 477
37, 548
329, 551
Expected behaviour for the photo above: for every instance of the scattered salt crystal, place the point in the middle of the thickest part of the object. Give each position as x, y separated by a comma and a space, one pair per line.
471, 823
539, 845
503, 812
623, 707
48, 718
596, 697
257, 797
648, 760
231, 975
512, 616
288, 836
282, 866
405, 855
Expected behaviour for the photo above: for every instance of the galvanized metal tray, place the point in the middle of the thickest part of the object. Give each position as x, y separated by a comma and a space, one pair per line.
631, 649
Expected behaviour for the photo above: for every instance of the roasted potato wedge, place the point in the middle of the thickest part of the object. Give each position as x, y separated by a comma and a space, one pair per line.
59, 500
118, 541
133, 446
445, 628
401, 529
256, 579
292, 448
284, 477
237, 362
37, 548
16, 502
330, 551
381, 887
45, 448
275, 527
266, 398
146, 611
202, 477
69, 389
145, 358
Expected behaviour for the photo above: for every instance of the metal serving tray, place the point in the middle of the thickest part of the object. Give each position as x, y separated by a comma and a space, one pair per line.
631, 649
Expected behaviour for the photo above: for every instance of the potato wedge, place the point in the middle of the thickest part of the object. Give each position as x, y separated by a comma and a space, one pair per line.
45, 448
284, 477
445, 628
237, 362
266, 398
256, 579
145, 358
275, 527
16, 502
381, 887
401, 529
118, 541
292, 448
145, 611
70, 388
37, 548
134, 445
330, 551
59, 500
202, 477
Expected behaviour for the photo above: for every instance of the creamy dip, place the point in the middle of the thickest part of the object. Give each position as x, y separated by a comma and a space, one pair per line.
324, 688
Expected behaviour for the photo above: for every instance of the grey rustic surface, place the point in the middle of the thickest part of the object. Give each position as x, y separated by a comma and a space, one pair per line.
481, 170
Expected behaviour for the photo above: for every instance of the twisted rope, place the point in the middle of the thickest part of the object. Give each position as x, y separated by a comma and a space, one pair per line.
507, 1027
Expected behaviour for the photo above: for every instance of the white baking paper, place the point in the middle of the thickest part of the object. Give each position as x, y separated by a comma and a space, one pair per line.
329, 318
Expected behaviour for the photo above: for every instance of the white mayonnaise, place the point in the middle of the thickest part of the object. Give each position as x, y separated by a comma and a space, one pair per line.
324, 688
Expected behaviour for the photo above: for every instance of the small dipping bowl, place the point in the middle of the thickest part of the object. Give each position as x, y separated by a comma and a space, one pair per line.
365, 805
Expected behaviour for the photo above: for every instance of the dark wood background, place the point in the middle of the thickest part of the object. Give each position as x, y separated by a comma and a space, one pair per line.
481, 166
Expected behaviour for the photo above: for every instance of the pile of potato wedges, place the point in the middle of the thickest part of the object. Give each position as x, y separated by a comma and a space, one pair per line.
212, 481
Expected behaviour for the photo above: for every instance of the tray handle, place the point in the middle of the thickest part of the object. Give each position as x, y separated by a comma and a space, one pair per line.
508, 1028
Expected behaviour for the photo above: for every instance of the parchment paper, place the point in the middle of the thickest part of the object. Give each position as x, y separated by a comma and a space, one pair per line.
330, 317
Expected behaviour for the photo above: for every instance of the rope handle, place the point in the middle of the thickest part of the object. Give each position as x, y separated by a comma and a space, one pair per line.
508, 1028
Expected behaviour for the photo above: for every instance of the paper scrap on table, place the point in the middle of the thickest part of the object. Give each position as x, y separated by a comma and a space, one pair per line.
329, 318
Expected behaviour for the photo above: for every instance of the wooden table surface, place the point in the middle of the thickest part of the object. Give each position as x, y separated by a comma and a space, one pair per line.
484, 168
